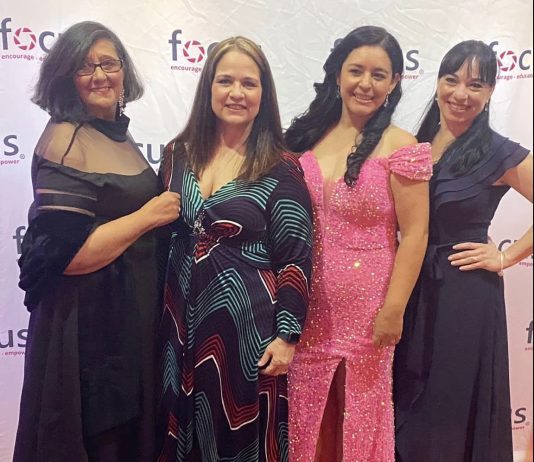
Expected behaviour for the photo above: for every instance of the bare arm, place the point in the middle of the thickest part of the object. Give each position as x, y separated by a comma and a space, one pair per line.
110, 240
412, 207
486, 256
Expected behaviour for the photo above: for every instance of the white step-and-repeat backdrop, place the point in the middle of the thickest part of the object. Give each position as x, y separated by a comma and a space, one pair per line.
169, 41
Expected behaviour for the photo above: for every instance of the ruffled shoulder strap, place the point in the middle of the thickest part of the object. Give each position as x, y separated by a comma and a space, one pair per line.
413, 162
503, 155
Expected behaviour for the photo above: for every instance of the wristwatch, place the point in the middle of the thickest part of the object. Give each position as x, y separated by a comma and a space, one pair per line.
290, 337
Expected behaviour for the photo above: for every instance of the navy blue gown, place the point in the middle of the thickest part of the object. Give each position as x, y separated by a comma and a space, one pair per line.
451, 380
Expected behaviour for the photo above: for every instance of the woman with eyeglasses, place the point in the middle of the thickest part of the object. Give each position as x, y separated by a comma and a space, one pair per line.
88, 264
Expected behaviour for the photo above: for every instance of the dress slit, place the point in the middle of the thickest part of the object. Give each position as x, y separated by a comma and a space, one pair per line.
331, 429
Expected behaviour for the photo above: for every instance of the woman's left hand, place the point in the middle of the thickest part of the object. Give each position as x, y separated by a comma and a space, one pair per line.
475, 255
388, 326
277, 358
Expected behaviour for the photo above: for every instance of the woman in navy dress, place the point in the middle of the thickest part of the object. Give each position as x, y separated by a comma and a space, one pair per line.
236, 290
452, 394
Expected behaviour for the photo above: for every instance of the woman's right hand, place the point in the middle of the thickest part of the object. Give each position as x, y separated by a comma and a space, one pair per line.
162, 209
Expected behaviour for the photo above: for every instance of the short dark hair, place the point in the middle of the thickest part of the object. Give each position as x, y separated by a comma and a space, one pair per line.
265, 143
475, 143
55, 91
325, 110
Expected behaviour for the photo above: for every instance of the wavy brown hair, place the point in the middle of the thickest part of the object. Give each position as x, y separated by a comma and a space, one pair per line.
265, 142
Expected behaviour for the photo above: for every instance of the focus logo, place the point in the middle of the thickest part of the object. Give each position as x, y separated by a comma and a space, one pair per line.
10, 151
193, 51
504, 244
520, 418
507, 61
13, 342
148, 151
23, 38
511, 60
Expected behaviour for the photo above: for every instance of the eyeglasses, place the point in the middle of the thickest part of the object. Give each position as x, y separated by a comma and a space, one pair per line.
109, 66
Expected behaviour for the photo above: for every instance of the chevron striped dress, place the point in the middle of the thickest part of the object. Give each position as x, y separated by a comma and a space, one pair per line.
238, 275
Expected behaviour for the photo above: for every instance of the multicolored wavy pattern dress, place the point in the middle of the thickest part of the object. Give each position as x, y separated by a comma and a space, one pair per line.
238, 275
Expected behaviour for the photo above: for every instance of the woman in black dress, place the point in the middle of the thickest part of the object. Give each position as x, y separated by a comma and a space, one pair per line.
452, 394
236, 290
88, 263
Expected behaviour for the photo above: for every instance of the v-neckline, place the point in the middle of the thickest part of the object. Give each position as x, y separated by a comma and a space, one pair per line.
214, 193
339, 179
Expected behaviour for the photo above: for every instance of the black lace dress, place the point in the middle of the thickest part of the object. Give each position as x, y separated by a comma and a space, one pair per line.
89, 357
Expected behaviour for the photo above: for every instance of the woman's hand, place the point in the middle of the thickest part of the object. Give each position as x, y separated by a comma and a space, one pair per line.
109, 240
388, 327
474, 255
162, 209
277, 358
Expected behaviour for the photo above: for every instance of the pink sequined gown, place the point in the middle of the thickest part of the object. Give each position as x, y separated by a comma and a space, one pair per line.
355, 245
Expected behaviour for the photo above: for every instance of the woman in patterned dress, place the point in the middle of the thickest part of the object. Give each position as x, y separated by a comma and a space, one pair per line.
368, 179
236, 290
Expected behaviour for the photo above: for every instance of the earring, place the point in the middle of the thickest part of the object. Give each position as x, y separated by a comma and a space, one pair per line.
386, 102
338, 95
121, 103
486, 107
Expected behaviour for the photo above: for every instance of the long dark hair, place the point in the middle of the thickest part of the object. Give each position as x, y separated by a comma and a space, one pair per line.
55, 91
199, 139
475, 143
325, 110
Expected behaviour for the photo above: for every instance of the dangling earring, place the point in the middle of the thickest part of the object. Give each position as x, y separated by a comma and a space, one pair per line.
121, 103
386, 102
486, 107
338, 95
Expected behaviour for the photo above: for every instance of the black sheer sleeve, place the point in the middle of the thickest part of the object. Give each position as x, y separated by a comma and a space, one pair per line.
61, 218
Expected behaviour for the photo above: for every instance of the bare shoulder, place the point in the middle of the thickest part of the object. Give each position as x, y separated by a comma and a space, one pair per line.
396, 138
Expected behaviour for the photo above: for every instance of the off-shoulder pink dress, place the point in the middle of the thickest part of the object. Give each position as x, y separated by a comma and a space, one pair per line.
355, 245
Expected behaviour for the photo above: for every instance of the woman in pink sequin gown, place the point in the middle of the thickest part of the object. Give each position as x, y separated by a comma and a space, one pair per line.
368, 179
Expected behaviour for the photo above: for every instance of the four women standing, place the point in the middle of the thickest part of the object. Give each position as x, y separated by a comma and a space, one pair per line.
236, 289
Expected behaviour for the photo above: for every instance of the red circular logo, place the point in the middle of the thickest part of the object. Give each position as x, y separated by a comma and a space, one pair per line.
24, 38
194, 51
507, 60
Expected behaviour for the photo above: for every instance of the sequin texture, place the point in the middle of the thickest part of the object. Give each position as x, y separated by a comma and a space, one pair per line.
355, 245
